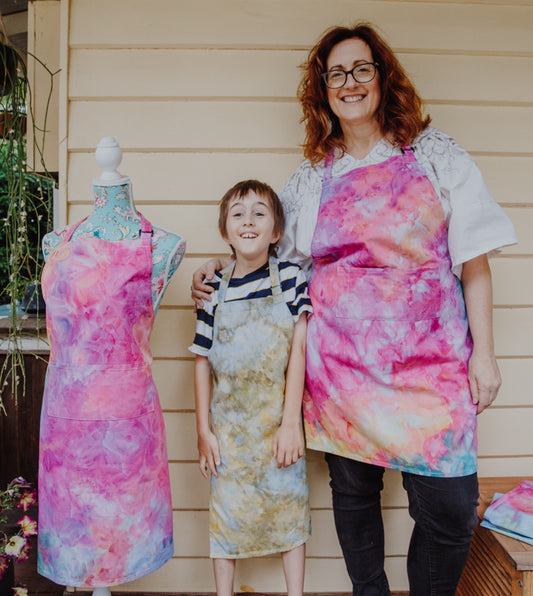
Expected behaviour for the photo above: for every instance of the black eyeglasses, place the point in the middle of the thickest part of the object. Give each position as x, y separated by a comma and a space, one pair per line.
362, 73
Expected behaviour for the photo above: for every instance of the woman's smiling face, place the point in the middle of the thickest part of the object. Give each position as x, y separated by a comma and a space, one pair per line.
354, 103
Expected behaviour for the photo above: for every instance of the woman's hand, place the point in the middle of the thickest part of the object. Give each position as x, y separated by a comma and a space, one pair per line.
209, 453
485, 380
288, 445
201, 291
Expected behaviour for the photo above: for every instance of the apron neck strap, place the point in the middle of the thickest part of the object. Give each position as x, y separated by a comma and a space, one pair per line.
275, 283
273, 270
328, 167
146, 230
224, 283
72, 230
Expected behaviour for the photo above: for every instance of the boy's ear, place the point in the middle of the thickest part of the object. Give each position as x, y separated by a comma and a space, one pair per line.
276, 237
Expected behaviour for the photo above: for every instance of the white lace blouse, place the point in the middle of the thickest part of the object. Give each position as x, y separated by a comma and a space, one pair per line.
476, 223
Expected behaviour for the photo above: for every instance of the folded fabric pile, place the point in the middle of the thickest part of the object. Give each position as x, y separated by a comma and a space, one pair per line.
512, 513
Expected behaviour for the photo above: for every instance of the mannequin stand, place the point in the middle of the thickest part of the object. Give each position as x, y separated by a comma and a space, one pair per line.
134, 261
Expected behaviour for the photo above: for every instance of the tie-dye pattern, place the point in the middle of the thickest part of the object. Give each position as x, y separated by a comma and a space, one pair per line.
105, 514
255, 507
513, 511
388, 341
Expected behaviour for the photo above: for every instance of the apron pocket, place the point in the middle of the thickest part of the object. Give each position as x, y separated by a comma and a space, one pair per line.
99, 392
389, 293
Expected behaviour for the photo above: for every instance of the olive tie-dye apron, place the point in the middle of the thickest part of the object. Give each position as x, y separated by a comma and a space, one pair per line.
105, 514
388, 341
255, 507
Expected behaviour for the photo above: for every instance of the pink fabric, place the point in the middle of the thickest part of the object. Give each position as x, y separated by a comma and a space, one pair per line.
105, 513
513, 511
388, 341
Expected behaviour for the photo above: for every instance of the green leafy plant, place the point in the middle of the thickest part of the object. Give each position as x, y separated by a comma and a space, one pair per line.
25, 208
26, 217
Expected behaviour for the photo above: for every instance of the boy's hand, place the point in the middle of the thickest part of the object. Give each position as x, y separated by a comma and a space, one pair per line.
288, 445
209, 454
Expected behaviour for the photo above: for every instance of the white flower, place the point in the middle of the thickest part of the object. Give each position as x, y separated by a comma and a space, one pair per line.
15, 545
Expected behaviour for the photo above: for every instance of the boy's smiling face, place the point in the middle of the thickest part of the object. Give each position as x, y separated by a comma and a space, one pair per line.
250, 229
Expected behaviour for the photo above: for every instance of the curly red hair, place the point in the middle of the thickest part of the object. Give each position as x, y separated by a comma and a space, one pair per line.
400, 112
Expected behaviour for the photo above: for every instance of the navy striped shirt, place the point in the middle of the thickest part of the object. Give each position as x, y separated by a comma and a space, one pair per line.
254, 285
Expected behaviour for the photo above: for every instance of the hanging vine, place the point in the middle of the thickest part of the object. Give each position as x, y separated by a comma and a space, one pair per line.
26, 205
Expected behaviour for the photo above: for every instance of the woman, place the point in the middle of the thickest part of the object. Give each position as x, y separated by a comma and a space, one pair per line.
389, 215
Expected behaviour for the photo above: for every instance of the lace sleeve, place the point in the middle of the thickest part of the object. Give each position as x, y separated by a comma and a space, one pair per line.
476, 223
300, 198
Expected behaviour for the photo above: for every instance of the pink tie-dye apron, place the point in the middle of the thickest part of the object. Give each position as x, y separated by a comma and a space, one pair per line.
105, 514
388, 341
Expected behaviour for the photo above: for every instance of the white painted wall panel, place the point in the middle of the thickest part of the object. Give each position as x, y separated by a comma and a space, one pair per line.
512, 280
512, 331
505, 432
298, 23
263, 125
505, 466
177, 176
130, 73
509, 178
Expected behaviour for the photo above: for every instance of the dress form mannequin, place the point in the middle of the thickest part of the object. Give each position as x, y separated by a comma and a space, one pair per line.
117, 436
114, 218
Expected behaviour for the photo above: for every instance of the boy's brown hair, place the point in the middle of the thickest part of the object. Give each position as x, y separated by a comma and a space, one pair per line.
239, 191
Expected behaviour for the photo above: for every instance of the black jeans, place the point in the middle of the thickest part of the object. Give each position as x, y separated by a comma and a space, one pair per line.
444, 511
